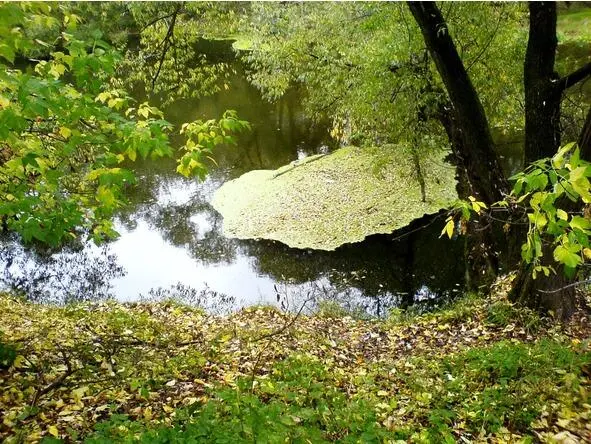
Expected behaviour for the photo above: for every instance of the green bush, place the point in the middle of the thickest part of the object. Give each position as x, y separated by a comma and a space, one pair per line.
505, 385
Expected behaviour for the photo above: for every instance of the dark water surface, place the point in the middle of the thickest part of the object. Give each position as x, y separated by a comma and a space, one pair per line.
172, 237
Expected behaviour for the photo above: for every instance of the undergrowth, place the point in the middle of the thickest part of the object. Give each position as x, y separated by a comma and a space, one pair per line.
478, 370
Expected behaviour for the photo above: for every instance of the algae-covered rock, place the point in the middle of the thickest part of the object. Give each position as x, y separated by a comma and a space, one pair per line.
324, 201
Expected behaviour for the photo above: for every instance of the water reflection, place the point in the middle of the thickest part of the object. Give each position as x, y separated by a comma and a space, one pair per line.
171, 242
72, 275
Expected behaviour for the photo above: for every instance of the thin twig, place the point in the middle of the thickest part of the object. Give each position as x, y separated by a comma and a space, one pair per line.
166, 42
586, 281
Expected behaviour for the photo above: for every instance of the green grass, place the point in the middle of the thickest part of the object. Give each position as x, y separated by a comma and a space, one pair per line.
575, 25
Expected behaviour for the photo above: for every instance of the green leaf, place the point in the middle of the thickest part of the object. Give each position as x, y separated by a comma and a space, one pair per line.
567, 257
7, 52
580, 223
558, 159
538, 219
581, 187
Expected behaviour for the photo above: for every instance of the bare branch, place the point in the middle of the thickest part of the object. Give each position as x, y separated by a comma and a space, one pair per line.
166, 42
575, 284
574, 77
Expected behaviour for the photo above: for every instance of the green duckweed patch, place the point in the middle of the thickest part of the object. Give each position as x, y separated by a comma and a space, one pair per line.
324, 201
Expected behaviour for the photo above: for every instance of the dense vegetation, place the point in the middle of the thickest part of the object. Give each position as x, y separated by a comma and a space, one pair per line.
480, 369
427, 81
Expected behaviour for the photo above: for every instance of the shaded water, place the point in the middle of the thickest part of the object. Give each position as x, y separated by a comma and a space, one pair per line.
171, 239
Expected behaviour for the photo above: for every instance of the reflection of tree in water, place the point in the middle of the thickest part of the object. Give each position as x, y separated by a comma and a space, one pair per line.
279, 130
67, 276
374, 275
201, 238
211, 301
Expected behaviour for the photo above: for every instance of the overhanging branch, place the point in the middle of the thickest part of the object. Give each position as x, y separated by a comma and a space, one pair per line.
574, 77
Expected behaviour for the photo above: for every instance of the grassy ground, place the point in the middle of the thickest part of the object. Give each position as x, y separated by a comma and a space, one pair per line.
574, 23
480, 371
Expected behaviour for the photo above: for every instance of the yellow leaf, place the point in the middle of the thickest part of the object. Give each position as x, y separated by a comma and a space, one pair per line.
65, 132
53, 431
587, 253
449, 228
19, 359
229, 377
4, 102
148, 413
78, 393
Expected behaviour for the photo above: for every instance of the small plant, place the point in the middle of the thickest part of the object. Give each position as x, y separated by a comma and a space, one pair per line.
8, 353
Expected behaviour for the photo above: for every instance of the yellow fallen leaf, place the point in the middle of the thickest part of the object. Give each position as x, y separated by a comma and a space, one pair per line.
18, 361
148, 413
53, 431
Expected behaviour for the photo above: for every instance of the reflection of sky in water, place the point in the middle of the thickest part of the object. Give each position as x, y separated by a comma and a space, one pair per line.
152, 262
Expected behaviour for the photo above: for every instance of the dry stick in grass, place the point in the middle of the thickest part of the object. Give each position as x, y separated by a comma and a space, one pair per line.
269, 337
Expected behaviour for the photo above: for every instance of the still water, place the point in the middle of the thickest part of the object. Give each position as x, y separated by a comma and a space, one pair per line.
171, 240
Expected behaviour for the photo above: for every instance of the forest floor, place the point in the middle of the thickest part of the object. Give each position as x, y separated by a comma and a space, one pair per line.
479, 370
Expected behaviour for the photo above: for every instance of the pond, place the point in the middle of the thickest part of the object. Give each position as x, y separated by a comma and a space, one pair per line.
171, 240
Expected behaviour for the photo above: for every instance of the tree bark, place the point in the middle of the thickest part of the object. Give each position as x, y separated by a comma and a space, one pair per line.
477, 154
556, 292
474, 145
585, 138
542, 94
469, 133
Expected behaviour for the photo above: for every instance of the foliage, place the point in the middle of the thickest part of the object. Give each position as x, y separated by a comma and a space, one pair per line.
168, 60
8, 353
66, 131
164, 372
555, 192
364, 64
553, 196
203, 137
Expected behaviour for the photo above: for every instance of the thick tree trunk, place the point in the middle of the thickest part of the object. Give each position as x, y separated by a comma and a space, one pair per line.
585, 138
469, 134
485, 175
542, 93
554, 293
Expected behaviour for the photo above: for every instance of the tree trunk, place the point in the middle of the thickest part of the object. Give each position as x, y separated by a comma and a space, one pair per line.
468, 130
585, 138
542, 93
477, 155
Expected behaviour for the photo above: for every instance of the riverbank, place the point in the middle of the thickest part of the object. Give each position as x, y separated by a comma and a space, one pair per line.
479, 370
